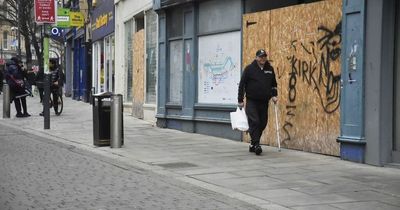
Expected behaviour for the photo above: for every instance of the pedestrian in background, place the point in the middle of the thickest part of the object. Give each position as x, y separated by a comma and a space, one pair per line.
15, 79
56, 82
258, 85
1, 77
39, 81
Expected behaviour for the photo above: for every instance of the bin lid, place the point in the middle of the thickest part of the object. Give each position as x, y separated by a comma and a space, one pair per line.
103, 94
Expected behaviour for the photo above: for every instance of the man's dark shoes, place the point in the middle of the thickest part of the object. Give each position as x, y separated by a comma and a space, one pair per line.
252, 148
26, 115
41, 113
19, 115
258, 150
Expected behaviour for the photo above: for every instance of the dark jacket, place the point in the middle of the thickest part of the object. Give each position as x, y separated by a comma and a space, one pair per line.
56, 76
259, 85
14, 74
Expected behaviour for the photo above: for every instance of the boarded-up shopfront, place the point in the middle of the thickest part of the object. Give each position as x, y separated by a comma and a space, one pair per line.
303, 43
138, 74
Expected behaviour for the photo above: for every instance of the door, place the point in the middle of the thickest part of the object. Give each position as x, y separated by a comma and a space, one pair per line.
396, 139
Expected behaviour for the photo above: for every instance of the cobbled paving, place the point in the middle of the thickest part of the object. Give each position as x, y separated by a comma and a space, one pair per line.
37, 173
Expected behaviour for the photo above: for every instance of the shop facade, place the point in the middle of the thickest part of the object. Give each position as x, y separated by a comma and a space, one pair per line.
200, 62
136, 29
338, 72
103, 47
81, 67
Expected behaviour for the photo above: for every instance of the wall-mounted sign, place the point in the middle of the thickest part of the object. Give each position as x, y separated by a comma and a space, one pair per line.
56, 31
76, 19
45, 11
63, 19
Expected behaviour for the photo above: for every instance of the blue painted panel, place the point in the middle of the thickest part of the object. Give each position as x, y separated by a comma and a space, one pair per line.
352, 152
83, 71
352, 141
189, 89
76, 70
162, 63
174, 124
352, 96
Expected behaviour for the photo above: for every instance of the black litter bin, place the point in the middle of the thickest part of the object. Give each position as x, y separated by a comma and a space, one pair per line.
101, 105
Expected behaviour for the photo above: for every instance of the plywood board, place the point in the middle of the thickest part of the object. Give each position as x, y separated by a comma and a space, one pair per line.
138, 73
304, 48
256, 35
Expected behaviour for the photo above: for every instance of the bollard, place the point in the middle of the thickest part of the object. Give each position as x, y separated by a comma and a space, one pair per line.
6, 101
116, 132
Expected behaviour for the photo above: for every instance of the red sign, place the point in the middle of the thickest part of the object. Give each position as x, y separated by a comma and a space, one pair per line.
2, 61
45, 11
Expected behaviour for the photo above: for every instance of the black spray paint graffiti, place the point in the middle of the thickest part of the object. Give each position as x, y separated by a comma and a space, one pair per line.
316, 72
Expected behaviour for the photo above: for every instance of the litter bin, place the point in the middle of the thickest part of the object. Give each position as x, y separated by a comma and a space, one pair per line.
101, 105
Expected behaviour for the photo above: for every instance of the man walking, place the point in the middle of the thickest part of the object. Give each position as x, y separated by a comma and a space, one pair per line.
258, 84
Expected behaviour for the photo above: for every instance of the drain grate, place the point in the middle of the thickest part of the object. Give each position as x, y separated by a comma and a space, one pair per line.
177, 165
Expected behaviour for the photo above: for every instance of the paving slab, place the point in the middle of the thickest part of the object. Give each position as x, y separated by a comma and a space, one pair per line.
275, 180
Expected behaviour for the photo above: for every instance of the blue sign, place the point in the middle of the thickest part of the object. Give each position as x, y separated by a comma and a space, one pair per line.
56, 32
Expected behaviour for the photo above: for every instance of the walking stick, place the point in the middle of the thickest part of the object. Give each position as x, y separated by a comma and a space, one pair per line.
277, 128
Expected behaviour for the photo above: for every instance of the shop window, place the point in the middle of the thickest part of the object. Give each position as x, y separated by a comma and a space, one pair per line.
175, 37
219, 15
219, 50
151, 58
109, 45
128, 58
219, 68
139, 23
95, 65
175, 71
175, 22
5, 40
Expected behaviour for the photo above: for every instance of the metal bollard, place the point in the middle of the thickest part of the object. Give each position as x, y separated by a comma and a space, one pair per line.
6, 101
116, 132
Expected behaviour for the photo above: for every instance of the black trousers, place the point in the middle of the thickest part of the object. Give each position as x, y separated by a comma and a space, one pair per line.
18, 102
257, 116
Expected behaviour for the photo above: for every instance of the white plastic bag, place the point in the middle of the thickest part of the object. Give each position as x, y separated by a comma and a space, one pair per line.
239, 120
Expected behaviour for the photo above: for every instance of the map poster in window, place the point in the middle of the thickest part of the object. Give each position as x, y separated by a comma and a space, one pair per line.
219, 68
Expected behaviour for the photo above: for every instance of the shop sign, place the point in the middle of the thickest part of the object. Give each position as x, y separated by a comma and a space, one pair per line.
102, 19
63, 18
77, 19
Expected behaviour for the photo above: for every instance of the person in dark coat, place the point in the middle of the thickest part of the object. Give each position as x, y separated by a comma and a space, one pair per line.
258, 83
56, 81
1, 77
15, 79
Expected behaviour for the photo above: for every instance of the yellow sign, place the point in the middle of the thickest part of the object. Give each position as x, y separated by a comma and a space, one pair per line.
102, 20
77, 19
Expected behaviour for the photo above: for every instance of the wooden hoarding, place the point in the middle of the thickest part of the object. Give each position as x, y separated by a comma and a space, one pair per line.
138, 73
303, 43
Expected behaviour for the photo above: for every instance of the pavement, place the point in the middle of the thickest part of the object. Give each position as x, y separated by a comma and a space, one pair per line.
275, 180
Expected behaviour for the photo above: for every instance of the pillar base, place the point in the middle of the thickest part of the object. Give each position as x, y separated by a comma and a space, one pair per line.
352, 149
